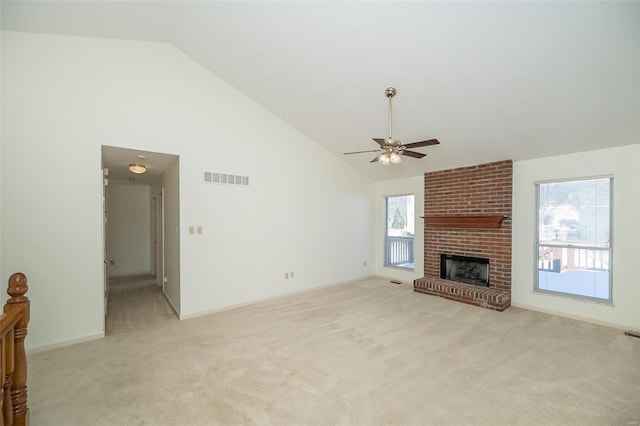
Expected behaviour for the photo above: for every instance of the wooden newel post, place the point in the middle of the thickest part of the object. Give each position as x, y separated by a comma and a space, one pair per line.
19, 302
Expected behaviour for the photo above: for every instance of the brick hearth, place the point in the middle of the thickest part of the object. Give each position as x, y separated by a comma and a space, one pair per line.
486, 297
452, 200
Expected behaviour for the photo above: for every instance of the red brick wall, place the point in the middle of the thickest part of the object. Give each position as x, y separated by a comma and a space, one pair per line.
478, 190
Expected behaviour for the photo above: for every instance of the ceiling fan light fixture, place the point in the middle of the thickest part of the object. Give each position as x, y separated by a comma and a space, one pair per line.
385, 159
137, 168
395, 158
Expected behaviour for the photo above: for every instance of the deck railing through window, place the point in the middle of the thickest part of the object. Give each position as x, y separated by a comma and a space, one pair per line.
399, 252
560, 258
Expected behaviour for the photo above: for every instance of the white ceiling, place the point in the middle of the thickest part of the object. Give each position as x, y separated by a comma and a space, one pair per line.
490, 80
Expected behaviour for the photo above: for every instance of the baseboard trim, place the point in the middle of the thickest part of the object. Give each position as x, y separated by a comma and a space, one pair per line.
571, 316
64, 343
268, 299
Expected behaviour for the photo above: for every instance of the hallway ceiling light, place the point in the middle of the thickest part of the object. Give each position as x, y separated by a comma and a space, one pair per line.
137, 168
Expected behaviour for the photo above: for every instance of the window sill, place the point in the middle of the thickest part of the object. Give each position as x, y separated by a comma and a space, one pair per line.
575, 297
400, 268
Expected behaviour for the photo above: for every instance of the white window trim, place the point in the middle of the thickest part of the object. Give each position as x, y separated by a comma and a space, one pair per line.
536, 243
385, 233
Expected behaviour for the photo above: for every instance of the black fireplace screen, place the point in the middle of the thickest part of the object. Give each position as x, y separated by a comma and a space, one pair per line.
464, 269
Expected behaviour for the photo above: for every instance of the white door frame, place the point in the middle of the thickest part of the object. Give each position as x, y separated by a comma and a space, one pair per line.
159, 237
105, 239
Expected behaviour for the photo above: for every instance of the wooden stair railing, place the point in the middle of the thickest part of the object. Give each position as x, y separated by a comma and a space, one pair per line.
13, 366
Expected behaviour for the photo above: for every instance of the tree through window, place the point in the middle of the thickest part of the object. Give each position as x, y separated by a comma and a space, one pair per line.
399, 231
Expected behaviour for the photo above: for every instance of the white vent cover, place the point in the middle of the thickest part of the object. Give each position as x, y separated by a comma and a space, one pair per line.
225, 179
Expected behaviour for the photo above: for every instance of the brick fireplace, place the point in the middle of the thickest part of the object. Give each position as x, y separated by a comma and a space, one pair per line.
467, 215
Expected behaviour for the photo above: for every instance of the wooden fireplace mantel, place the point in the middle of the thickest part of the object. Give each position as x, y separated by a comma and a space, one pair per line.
466, 221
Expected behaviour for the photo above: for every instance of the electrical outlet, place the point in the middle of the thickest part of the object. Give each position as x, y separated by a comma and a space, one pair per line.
291, 274
365, 263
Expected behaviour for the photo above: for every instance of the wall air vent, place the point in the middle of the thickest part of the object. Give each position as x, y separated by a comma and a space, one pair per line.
225, 179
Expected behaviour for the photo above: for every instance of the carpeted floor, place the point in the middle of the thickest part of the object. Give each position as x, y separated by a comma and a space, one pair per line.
363, 353
134, 303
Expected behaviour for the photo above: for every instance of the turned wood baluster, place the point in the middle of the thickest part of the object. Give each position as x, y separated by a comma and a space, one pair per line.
17, 289
7, 406
2, 423
6, 411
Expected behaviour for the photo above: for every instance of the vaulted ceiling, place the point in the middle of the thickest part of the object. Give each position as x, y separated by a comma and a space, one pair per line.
490, 80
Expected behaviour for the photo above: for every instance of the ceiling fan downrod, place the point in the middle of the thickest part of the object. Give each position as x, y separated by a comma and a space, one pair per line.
390, 92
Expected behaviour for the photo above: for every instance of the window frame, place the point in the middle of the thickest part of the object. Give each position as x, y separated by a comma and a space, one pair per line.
536, 242
386, 232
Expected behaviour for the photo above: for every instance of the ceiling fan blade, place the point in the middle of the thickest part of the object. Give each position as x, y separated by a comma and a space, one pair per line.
381, 142
360, 152
413, 154
375, 160
423, 143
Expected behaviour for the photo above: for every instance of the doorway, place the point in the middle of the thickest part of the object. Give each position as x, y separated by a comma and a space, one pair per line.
134, 230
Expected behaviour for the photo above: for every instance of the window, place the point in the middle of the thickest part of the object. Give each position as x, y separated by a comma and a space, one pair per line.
573, 241
399, 224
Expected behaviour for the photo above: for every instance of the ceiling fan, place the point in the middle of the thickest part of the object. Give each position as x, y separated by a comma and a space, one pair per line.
391, 149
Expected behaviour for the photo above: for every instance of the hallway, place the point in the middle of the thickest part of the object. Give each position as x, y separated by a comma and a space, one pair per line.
135, 302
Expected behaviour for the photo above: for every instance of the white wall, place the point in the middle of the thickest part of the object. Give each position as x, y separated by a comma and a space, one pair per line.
624, 164
129, 215
415, 186
63, 97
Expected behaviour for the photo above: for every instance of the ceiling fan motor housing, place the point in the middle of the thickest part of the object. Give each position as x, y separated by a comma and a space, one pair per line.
390, 92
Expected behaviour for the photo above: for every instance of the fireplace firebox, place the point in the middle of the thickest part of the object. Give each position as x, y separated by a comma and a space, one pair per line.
465, 269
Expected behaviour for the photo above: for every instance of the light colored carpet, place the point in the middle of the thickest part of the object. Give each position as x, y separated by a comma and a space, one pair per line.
363, 353
135, 303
